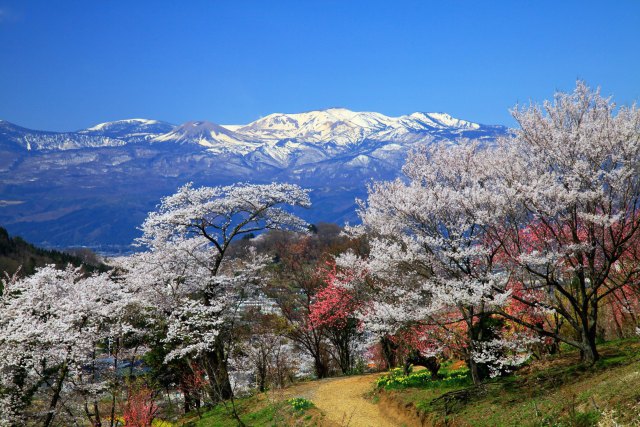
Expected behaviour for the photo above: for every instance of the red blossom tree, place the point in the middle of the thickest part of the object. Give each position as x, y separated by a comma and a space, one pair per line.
140, 409
335, 309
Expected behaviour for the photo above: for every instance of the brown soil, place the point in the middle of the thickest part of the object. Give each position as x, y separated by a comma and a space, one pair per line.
344, 403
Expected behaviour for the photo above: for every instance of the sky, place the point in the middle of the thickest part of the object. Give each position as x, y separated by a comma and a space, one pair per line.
67, 65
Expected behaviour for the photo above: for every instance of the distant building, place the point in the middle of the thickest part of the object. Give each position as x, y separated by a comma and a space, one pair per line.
262, 303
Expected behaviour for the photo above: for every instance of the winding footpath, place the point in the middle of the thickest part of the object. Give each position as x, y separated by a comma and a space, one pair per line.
343, 401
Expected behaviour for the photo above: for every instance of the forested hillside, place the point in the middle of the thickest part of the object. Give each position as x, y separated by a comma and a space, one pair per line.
16, 253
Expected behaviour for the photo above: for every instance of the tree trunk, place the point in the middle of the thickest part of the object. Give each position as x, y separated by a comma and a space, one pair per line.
113, 409
216, 368
619, 331
262, 375
187, 398
319, 366
589, 320
389, 352
96, 411
473, 335
344, 351
589, 351
56, 396
473, 369
113, 392
341, 338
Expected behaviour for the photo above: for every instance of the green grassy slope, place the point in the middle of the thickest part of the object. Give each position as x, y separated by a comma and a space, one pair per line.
553, 392
260, 410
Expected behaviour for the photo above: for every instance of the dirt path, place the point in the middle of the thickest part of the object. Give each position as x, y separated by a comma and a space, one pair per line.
343, 402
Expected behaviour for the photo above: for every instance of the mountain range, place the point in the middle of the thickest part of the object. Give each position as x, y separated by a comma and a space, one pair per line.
94, 186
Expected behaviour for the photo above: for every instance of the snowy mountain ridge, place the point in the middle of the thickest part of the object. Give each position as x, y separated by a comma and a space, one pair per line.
335, 125
345, 127
94, 186
278, 139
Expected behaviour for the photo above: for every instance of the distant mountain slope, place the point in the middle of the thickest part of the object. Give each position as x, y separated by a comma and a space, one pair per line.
130, 130
93, 187
42, 140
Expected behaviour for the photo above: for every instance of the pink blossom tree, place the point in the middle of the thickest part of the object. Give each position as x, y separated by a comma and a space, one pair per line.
335, 309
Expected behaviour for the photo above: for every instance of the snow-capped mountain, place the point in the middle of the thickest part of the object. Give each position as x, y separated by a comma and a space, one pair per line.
36, 140
210, 135
344, 127
337, 128
129, 130
94, 186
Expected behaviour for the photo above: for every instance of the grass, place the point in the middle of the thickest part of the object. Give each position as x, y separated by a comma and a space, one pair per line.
554, 392
449, 378
258, 411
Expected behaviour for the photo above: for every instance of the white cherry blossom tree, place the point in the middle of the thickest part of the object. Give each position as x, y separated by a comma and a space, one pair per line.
571, 180
188, 239
428, 247
51, 325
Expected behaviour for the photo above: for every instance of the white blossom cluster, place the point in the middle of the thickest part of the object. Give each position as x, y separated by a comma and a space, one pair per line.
185, 278
50, 326
57, 326
553, 207
427, 240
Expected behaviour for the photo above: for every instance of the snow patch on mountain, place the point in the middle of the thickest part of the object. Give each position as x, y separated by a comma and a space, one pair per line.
216, 138
118, 123
441, 120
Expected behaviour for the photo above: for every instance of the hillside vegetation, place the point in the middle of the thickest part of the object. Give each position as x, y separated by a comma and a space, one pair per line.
554, 391
16, 253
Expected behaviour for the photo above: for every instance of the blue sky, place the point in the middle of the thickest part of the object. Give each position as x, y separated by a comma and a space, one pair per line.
65, 65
